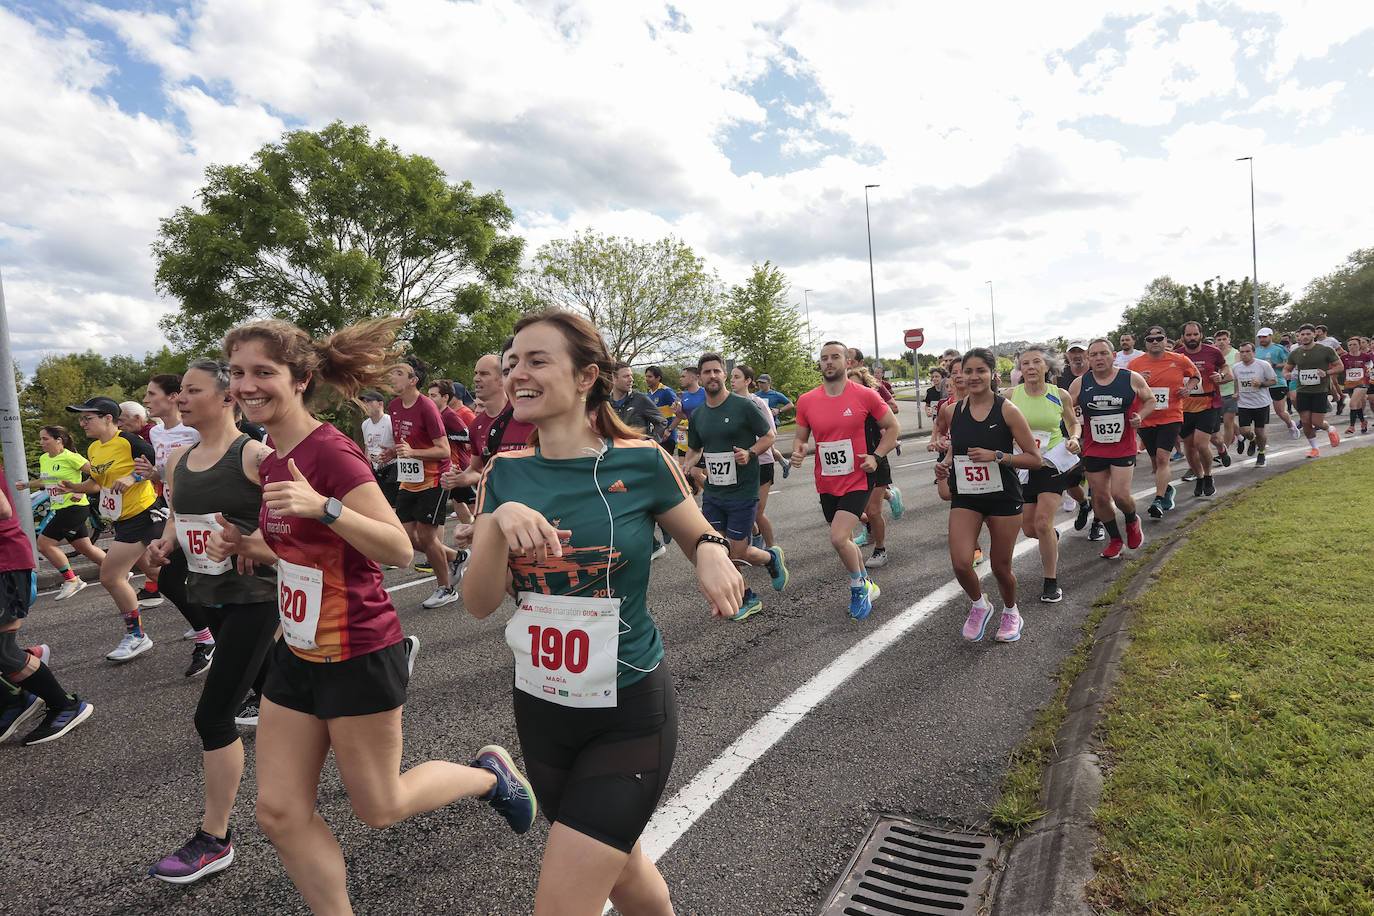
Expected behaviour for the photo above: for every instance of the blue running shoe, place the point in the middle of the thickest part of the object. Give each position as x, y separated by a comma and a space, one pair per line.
777, 569
861, 599
861, 539
58, 722
16, 713
895, 504
512, 796
786, 468
752, 605
1168, 500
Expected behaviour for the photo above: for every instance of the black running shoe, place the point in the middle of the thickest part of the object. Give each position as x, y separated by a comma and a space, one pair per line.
1208, 488
1156, 509
201, 657
1250, 446
1098, 531
148, 599
1198, 485
1259, 460
1224, 458
1051, 594
60, 721
1081, 521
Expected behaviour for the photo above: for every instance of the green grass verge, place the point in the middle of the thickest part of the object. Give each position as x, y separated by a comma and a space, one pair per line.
1240, 736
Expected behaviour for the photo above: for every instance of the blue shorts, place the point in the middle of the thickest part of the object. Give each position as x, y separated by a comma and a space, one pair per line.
733, 518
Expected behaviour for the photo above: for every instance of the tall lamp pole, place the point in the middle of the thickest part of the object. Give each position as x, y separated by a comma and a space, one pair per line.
993, 305
1254, 251
872, 289
807, 302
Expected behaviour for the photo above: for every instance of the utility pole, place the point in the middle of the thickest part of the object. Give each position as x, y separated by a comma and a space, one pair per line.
1254, 250
11, 430
872, 289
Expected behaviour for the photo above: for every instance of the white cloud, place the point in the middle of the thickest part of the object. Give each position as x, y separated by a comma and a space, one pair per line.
1312, 104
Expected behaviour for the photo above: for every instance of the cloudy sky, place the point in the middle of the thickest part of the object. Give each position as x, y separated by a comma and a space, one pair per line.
1068, 152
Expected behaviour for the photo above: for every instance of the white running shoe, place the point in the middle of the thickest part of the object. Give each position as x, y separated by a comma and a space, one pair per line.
70, 587
1070, 504
189, 634
130, 646
411, 646
441, 597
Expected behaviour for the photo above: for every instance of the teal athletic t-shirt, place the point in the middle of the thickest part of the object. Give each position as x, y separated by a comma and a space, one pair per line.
637, 480
717, 431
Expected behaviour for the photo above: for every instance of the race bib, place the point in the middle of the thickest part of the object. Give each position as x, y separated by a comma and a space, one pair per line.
1041, 438
1161, 398
1354, 374
111, 504
682, 437
974, 477
1309, 376
565, 648
410, 470
1246, 384
835, 458
1108, 428
193, 531
300, 592
721, 470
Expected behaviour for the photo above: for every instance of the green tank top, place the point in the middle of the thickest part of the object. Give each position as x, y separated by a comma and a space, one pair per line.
1043, 413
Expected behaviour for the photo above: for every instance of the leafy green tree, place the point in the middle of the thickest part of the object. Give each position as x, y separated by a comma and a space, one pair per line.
1215, 305
759, 327
650, 300
1343, 299
327, 228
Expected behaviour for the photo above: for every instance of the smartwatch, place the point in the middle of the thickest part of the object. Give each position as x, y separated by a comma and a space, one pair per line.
333, 508
1000, 456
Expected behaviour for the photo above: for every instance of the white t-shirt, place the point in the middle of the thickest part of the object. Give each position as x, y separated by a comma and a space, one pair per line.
1123, 359
165, 441
1260, 376
766, 457
377, 436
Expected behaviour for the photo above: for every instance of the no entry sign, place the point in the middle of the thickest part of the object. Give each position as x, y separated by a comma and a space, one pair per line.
915, 337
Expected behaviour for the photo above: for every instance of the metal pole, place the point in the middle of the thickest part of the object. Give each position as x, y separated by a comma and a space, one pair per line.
1254, 250
993, 303
11, 430
872, 288
810, 334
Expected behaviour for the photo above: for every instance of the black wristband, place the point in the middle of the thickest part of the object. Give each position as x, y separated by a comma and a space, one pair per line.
709, 538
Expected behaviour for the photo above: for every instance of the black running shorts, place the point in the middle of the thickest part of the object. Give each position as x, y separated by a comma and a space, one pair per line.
854, 502
1161, 438
1253, 416
1093, 464
1206, 421
358, 686
428, 507
70, 523
1313, 403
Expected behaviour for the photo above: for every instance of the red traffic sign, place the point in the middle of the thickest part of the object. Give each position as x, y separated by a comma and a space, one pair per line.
915, 337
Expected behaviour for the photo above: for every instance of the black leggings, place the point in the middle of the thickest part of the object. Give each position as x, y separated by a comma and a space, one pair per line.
602, 771
243, 634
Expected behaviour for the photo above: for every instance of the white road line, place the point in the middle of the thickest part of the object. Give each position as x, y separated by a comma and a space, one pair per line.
677, 815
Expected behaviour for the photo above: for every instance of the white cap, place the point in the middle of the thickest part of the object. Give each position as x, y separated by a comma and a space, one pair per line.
1265, 332
1076, 345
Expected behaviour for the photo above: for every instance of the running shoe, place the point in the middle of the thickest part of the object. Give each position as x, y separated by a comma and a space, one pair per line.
899, 449
1081, 521
1208, 487
1224, 458
660, 549
977, 556
861, 538
896, 505
201, 657
248, 712
777, 569
1156, 509
129, 647
1294, 432
1250, 445
512, 796
861, 599
1364, 427
1335, 439
423, 568
1070, 504
19, 710
1134, 536
148, 599
1259, 460
1113, 550
878, 560
1197, 486
42, 651
1169, 494
411, 647
977, 622
69, 588
1176, 456
190, 634
203, 855
1189, 474
786, 468
442, 595
1098, 531
1009, 629
60, 721
1051, 594
752, 605
1314, 453
456, 568
1350, 430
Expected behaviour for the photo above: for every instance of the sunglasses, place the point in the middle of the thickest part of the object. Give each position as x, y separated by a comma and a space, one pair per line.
1153, 339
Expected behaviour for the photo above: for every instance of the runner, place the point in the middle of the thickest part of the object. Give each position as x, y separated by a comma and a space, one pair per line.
599, 729
778, 402
1114, 403
1202, 407
133, 419
980, 472
1075, 364
1226, 437
879, 483
1311, 365
741, 379
126, 498
1127, 352
1253, 377
835, 411
1167, 373
1356, 382
635, 408
422, 455
691, 397
935, 392
214, 480
730, 432
1050, 415
1276, 355
337, 679
456, 430
68, 513
379, 443
666, 401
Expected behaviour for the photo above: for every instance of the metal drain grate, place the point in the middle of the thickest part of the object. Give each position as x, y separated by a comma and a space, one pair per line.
913, 869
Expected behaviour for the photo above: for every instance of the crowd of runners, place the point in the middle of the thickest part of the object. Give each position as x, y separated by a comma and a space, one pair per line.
269, 531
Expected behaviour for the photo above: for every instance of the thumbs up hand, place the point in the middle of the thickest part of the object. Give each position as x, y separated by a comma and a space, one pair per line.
225, 542
294, 497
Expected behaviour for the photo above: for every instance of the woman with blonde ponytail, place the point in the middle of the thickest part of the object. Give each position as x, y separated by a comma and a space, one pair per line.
569, 523
337, 678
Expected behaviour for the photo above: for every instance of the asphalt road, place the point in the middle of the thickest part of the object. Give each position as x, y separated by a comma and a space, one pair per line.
923, 729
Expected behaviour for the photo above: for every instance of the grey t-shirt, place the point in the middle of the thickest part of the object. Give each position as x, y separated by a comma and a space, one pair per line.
1253, 383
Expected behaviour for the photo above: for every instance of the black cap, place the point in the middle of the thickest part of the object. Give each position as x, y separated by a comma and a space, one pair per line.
371, 394
1156, 329
97, 405
461, 392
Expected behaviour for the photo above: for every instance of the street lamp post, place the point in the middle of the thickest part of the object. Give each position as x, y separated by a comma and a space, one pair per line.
872, 288
807, 302
1254, 251
993, 305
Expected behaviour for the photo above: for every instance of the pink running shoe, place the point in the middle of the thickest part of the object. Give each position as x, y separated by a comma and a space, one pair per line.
1010, 628
41, 652
1134, 536
977, 622
1335, 439
1113, 549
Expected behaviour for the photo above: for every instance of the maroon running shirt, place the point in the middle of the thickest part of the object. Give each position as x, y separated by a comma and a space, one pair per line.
484, 429
419, 426
15, 551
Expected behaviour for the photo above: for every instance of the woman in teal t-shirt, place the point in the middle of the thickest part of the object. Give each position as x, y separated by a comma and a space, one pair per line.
70, 515
569, 523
